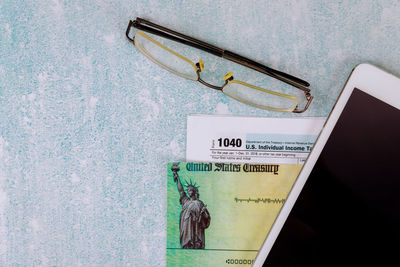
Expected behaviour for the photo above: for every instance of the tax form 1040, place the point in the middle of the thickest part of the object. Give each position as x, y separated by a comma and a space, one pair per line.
251, 139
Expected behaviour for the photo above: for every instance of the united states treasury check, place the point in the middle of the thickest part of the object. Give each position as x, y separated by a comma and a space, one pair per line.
251, 139
218, 214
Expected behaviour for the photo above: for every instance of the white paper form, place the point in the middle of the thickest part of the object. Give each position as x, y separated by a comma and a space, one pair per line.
251, 139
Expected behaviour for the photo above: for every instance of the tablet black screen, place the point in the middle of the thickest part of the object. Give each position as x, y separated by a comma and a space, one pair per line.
348, 213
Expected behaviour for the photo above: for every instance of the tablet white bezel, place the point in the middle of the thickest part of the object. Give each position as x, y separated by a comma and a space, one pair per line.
365, 77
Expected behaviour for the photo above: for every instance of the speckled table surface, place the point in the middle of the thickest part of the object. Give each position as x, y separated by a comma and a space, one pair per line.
87, 124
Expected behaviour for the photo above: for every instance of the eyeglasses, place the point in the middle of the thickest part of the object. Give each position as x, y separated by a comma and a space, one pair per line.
184, 67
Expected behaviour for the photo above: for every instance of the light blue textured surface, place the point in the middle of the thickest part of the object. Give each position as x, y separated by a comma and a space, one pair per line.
87, 124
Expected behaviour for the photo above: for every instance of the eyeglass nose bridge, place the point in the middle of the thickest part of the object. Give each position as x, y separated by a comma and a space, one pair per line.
200, 68
219, 88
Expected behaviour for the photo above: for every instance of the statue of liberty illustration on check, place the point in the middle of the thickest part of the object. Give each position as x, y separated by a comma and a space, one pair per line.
194, 218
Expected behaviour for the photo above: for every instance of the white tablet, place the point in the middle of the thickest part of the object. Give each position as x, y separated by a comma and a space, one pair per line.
359, 151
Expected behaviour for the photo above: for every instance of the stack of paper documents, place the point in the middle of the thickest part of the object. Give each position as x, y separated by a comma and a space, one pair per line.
222, 204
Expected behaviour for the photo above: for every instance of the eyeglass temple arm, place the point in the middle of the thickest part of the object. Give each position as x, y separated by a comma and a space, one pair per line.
199, 45
284, 77
287, 78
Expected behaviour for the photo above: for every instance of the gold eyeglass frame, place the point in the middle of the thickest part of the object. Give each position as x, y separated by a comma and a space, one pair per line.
147, 26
